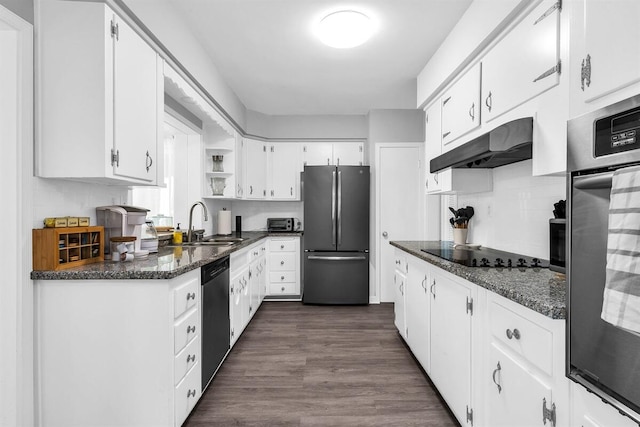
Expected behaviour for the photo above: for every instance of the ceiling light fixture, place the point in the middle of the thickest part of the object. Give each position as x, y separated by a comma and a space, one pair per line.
345, 29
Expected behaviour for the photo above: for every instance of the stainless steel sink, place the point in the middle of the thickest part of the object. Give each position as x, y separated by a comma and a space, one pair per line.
225, 239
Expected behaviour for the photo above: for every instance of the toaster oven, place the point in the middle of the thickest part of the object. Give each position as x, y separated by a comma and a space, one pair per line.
282, 224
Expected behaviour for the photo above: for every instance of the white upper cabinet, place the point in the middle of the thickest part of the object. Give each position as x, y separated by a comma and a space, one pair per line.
283, 171
523, 64
461, 107
255, 153
100, 97
339, 154
605, 53
433, 147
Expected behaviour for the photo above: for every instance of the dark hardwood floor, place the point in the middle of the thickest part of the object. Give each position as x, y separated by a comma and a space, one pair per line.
300, 365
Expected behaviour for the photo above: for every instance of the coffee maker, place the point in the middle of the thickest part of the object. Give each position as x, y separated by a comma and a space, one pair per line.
121, 220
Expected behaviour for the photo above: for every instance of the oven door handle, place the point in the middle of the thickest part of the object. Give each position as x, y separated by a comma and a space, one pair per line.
600, 180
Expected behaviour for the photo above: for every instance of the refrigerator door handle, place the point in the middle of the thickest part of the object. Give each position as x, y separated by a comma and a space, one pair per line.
339, 208
337, 258
333, 207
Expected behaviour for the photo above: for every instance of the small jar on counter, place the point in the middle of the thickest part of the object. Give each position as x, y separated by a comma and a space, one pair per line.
122, 248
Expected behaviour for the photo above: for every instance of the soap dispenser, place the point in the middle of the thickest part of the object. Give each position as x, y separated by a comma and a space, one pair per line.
177, 235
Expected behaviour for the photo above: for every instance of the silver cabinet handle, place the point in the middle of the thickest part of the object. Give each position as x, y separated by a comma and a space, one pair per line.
513, 334
191, 329
432, 289
281, 246
281, 262
148, 162
435, 177
191, 358
337, 258
282, 289
402, 288
488, 101
191, 295
585, 72
472, 111
251, 189
281, 277
385, 234
446, 134
291, 190
191, 393
424, 284
495, 372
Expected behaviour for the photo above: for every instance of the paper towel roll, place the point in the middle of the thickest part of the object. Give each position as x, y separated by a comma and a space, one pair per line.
224, 222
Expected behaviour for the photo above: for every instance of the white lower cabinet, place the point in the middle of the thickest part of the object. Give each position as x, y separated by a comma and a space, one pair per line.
417, 311
117, 352
283, 266
450, 351
494, 361
588, 410
245, 271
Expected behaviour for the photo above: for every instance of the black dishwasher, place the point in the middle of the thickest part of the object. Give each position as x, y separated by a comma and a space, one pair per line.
215, 317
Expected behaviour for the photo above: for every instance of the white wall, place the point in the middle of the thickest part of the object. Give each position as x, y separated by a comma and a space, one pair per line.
22, 8
307, 127
515, 216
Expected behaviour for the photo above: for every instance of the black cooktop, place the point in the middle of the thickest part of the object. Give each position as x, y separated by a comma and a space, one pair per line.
483, 257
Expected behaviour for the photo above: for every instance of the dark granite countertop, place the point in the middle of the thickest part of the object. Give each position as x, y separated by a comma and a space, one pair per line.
541, 290
169, 262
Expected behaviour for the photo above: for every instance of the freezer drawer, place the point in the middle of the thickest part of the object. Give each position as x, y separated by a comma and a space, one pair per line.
336, 278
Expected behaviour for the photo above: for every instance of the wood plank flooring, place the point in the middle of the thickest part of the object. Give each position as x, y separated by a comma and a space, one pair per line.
301, 365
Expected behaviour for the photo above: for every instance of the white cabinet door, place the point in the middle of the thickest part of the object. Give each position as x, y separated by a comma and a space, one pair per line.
461, 107
283, 171
256, 169
399, 306
100, 97
254, 285
135, 105
417, 311
348, 154
523, 64
236, 304
451, 342
433, 145
605, 50
516, 395
317, 154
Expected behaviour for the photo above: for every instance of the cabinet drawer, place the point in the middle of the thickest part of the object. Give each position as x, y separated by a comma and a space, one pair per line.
282, 277
524, 337
185, 297
185, 330
186, 359
282, 261
283, 289
283, 245
186, 394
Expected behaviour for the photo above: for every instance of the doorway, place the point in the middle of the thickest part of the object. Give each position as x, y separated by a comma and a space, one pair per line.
16, 292
399, 206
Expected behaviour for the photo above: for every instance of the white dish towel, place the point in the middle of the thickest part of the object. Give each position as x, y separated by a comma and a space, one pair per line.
621, 302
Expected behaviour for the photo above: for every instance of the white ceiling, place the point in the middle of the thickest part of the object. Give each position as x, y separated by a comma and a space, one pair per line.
268, 55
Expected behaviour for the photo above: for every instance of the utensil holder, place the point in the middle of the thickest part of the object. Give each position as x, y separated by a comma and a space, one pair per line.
460, 236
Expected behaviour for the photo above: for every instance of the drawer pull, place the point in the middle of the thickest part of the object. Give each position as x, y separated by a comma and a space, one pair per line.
281, 262
281, 246
282, 289
191, 358
191, 393
495, 371
191, 295
281, 277
191, 329
513, 334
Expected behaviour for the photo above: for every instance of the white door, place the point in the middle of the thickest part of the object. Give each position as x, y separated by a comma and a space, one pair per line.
398, 206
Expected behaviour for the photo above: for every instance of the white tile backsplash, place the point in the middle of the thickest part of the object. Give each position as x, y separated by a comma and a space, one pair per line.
58, 197
515, 215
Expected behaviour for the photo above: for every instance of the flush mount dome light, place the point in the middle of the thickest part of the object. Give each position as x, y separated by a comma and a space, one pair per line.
344, 29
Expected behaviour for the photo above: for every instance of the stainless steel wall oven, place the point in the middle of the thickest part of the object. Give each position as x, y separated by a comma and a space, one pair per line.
603, 358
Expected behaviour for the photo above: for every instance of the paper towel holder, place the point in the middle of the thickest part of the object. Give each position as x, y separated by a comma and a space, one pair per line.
224, 222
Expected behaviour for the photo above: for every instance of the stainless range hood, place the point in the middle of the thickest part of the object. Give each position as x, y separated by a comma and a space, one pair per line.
506, 144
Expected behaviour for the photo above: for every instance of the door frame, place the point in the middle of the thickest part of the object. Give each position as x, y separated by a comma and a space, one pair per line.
16, 292
420, 233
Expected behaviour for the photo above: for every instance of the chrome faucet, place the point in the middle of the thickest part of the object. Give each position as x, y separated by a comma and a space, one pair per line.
189, 231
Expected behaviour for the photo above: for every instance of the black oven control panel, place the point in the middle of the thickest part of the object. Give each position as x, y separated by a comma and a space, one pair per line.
617, 133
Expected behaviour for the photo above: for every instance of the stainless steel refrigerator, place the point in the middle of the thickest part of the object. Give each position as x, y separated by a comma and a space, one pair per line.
336, 234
